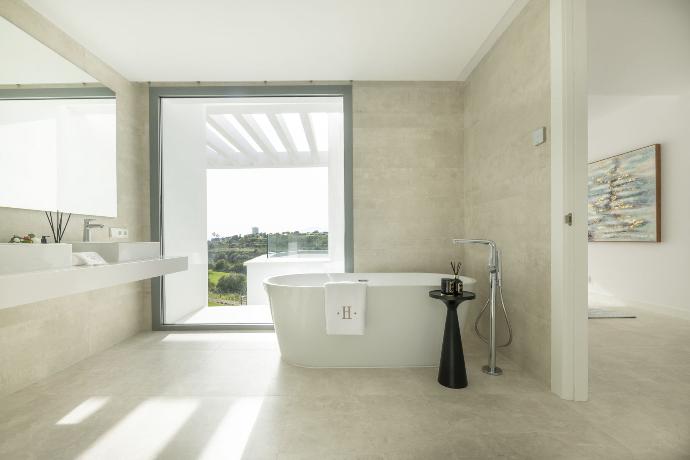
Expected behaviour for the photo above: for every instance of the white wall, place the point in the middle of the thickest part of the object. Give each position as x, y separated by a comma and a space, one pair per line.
25, 60
336, 194
648, 273
183, 135
638, 46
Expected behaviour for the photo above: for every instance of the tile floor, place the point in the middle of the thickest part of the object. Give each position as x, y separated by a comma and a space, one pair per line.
228, 395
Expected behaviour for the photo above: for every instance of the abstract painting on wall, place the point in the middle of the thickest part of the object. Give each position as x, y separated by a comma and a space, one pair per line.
624, 197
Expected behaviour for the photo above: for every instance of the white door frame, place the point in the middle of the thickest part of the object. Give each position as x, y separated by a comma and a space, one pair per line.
569, 343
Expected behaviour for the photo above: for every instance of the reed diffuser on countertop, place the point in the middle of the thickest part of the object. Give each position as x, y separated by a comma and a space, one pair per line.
453, 286
58, 225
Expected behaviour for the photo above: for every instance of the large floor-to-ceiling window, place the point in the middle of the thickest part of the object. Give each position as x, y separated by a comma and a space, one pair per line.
251, 187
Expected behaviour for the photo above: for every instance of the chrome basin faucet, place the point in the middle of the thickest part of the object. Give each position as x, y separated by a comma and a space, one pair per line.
87, 229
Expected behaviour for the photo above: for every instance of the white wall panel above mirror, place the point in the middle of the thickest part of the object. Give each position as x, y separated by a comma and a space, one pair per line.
26, 61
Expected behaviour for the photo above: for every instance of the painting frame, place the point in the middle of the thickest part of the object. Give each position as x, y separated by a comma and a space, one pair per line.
657, 195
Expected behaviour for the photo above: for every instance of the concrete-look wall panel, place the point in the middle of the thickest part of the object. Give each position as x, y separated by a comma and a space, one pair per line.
40, 339
407, 175
507, 179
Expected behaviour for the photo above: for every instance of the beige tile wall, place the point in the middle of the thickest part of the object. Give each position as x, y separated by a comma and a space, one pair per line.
39, 339
408, 174
506, 178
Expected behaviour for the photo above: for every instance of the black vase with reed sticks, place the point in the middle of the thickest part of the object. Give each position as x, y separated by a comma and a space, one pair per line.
453, 286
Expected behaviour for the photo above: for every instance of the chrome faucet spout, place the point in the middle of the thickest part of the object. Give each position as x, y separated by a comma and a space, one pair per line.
493, 255
86, 236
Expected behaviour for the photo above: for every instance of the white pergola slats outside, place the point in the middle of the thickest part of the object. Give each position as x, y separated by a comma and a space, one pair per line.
269, 135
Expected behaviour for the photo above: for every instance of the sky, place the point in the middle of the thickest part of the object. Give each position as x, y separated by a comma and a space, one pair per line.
273, 199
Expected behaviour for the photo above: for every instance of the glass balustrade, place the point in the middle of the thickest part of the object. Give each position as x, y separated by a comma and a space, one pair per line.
296, 244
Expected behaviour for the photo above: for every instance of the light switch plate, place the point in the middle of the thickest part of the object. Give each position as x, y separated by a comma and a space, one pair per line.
119, 232
539, 136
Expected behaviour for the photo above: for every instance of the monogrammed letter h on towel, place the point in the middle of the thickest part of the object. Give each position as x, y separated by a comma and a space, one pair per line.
346, 304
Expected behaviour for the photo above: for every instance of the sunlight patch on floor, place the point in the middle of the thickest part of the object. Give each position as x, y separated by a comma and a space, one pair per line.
83, 411
231, 437
146, 430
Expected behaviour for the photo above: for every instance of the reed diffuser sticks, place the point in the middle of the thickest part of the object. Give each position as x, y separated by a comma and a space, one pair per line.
456, 268
58, 225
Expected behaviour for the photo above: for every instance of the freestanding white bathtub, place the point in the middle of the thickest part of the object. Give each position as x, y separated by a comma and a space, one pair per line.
404, 326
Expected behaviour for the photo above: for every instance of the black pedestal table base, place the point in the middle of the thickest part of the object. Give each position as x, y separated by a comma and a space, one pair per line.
451, 369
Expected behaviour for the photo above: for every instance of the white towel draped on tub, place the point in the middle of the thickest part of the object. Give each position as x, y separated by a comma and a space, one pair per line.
346, 304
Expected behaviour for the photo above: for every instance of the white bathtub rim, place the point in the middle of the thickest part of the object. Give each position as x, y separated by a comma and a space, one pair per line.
282, 280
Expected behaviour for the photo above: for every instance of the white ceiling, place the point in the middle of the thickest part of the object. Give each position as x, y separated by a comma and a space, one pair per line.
639, 46
25, 60
255, 40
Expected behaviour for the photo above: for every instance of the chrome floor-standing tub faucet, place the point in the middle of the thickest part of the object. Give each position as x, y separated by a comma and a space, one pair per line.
495, 283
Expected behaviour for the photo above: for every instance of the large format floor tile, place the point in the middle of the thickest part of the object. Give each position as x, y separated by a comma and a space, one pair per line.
228, 395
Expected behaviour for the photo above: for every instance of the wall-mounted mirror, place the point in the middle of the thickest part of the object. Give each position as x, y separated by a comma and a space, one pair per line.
57, 131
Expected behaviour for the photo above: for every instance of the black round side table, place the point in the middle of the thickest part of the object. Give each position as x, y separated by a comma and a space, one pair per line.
451, 370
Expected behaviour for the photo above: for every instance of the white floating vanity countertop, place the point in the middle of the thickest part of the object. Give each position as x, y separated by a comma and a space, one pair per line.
34, 286
27, 257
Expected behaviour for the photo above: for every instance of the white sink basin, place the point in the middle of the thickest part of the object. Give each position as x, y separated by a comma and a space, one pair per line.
21, 257
114, 252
